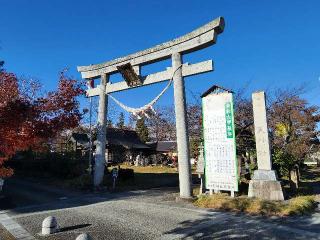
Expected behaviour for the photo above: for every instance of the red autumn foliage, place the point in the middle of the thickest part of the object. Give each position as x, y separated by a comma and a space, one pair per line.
28, 123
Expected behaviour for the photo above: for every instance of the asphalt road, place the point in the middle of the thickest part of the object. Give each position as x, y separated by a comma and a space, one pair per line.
151, 214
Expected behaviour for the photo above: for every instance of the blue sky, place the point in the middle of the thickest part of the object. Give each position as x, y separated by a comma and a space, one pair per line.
268, 44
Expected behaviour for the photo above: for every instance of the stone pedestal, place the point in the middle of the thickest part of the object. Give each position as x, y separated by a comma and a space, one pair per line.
264, 185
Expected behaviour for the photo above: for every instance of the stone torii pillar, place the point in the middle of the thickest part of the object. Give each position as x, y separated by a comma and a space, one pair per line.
100, 159
181, 128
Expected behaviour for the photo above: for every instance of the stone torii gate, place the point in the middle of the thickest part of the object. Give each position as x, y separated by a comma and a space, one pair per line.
200, 38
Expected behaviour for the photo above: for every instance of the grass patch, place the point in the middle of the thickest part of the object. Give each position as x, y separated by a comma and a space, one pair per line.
309, 183
144, 178
83, 182
310, 174
295, 206
144, 181
148, 169
300, 205
195, 190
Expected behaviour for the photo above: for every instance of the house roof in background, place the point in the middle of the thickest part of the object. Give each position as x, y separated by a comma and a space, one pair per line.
215, 88
129, 139
81, 138
125, 137
163, 146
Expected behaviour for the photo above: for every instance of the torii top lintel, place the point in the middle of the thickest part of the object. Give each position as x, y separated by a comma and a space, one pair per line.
200, 38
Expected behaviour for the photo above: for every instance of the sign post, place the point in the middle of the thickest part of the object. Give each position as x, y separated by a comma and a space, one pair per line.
115, 173
200, 169
221, 171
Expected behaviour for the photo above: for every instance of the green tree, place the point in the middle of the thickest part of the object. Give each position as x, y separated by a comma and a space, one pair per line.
120, 123
293, 125
109, 123
194, 147
142, 130
244, 131
284, 161
1, 65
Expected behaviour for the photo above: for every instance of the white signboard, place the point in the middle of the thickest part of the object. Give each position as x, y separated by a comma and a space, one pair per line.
219, 142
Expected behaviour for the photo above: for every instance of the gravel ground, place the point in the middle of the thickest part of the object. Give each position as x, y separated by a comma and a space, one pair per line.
153, 215
150, 214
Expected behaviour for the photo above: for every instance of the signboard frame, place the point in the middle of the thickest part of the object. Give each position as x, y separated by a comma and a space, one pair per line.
229, 134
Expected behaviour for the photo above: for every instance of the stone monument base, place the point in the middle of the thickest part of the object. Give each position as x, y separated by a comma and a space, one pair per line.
264, 185
185, 200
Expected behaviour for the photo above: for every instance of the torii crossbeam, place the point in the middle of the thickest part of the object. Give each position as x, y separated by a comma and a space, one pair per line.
200, 38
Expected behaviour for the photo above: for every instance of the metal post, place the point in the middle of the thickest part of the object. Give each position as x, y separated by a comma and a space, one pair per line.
181, 128
100, 157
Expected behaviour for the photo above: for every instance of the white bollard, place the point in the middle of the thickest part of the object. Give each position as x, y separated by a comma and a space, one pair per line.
49, 225
84, 236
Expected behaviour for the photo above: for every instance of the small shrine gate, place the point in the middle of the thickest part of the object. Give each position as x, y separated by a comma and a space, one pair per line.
129, 66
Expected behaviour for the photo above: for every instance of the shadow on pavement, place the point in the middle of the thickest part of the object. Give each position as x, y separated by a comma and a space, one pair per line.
242, 226
70, 228
23, 197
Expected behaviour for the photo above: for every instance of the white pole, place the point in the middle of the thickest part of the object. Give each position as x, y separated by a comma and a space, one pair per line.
201, 184
232, 194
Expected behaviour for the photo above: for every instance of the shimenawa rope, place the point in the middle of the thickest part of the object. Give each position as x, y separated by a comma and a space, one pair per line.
147, 109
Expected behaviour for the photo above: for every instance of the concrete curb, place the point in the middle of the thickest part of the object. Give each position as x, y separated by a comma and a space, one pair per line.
14, 228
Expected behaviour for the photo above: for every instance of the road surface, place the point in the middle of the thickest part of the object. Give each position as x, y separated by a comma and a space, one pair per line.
151, 214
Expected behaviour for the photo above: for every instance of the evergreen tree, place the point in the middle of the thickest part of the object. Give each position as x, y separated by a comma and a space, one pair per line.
109, 123
120, 123
142, 130
1, 65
